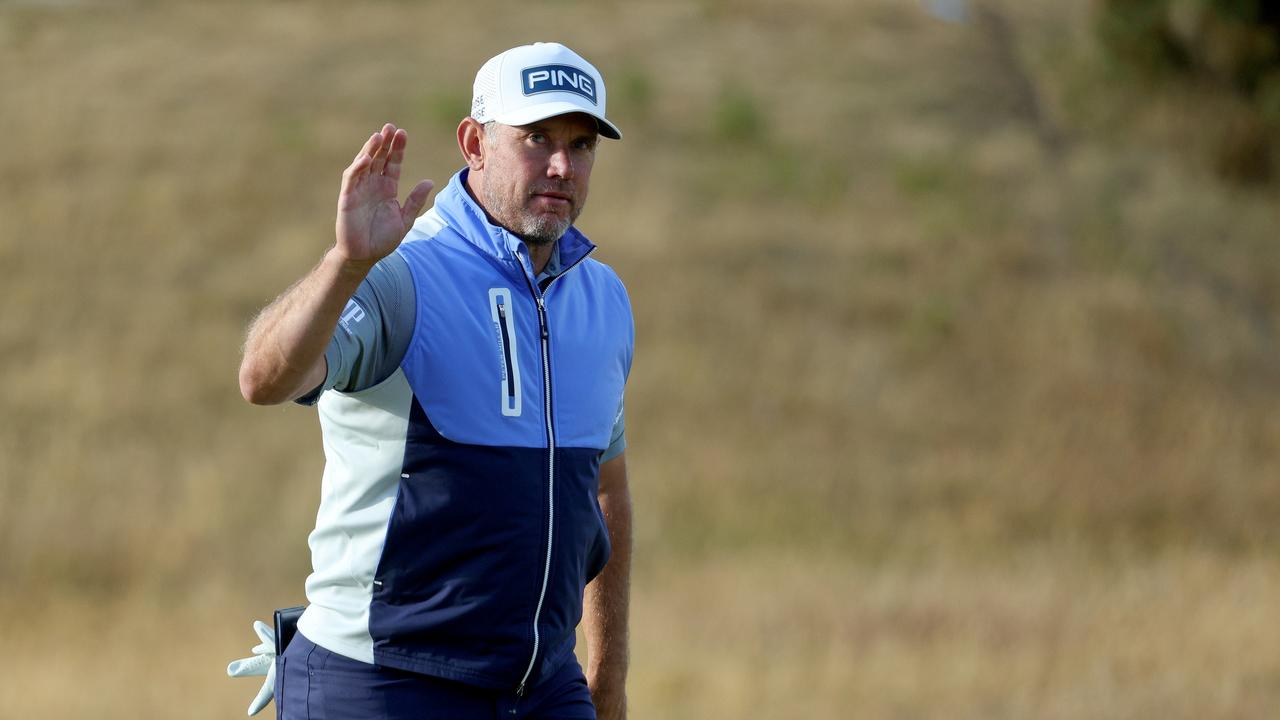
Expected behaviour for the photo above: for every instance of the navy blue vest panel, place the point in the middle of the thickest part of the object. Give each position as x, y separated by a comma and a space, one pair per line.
462, 568
583, 539
460, 539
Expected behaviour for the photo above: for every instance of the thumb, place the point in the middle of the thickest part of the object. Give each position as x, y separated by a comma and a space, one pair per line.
415, 202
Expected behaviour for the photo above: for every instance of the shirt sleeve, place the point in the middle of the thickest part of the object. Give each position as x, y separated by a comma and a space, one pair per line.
373, 331
618, 440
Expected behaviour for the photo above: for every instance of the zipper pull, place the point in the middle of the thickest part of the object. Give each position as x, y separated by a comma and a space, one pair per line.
542, 319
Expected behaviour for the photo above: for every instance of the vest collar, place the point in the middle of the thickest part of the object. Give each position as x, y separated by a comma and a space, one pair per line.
464, 214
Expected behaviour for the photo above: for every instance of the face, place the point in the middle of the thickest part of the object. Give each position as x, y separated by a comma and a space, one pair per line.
533, 179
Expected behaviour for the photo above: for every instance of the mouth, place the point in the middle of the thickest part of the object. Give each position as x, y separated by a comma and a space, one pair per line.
555, 199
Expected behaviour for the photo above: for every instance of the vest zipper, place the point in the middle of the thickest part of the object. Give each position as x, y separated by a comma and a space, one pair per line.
551, 484
551, 461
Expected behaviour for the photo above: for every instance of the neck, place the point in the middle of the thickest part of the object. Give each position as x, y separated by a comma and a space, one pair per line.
540, 255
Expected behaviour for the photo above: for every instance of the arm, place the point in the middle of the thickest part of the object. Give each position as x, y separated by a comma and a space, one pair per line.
605, 604
284, 349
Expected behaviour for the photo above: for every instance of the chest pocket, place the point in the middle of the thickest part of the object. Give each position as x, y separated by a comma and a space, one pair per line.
502, 313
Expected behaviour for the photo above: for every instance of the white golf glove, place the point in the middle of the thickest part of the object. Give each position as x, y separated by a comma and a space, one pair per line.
263, 662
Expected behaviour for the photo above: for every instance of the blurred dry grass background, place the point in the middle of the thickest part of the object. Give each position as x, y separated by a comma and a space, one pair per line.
957, 376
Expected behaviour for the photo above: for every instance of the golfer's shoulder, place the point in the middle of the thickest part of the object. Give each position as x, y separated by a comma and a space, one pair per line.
430, 225
604, 280
432, 240
603, 273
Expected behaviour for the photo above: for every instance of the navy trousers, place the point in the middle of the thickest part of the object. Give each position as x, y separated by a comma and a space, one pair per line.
313, 683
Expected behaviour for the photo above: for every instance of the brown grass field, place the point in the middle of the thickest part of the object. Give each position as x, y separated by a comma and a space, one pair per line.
957, 377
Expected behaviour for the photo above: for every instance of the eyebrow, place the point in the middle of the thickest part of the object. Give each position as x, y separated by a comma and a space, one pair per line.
539, 126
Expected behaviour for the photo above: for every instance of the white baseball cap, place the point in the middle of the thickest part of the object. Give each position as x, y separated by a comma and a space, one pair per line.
533, 82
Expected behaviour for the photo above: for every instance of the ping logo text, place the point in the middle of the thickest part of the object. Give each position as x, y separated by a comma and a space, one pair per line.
557, 78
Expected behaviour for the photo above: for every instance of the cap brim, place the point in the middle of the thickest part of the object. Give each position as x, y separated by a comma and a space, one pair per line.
542, 111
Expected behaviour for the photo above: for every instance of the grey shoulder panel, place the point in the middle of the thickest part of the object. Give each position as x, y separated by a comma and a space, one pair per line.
373, 332
376, 326
618, 438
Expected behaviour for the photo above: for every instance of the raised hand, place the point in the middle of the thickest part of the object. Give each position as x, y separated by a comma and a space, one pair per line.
371, 222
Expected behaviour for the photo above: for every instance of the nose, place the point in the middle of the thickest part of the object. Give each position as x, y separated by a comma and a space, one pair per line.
560, 164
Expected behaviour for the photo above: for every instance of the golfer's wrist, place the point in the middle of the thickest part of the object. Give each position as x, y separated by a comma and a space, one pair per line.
347, 268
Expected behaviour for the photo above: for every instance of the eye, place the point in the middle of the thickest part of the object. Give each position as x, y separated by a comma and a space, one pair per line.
584, 144
537, 137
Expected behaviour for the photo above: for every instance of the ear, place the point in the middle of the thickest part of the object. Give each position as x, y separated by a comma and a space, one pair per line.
471, 142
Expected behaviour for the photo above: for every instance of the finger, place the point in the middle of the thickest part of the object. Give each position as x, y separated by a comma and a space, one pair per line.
265, 693
256, 665
370, 145
359, 167
354, 173
396, 157
415, 202
265, 632
384, 149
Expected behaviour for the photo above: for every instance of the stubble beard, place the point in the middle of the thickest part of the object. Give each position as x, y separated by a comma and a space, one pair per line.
537, 229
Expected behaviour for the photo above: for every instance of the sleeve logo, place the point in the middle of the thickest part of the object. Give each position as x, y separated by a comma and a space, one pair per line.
351, 315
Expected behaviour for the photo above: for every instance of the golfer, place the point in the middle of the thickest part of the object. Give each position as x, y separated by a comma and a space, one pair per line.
468, 367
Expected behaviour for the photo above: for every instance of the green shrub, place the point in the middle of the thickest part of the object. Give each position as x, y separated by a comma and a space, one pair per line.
1231, 44
738, 117
1237, 42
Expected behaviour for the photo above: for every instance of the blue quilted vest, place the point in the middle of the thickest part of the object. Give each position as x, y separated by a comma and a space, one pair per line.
496, 528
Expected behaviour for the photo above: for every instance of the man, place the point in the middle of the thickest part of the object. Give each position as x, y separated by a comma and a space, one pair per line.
469, 369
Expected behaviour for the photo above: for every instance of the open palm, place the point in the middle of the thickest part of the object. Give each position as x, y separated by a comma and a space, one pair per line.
371, 222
